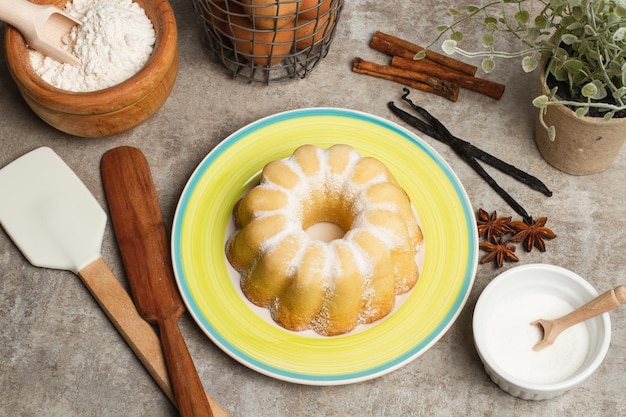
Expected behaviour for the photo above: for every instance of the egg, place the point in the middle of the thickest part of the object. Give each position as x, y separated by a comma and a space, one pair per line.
263, 47
311, 9
312, 31
217, 17
271, 14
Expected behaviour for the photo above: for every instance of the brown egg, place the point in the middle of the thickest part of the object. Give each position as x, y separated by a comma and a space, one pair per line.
271, 14
217, 16
311, 9
311, 32
263, 47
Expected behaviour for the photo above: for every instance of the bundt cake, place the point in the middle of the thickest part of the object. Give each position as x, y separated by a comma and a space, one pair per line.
306, 283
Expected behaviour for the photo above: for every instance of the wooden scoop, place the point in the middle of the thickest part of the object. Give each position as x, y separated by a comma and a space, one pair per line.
599, 305
141, 236
42, 25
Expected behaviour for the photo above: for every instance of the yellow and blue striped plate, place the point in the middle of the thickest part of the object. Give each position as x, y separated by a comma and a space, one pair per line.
210, 287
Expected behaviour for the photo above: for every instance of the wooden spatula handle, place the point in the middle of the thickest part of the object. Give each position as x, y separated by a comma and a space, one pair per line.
138, 333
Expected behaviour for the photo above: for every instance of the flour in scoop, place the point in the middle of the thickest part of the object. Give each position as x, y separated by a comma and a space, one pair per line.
114, 42
512, 337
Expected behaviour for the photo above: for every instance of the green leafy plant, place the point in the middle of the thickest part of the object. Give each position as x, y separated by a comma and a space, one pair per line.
581, 42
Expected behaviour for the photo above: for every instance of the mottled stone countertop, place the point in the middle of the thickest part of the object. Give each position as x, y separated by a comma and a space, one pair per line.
60, 355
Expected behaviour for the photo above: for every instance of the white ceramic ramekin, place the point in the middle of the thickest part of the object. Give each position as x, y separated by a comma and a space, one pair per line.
538, 279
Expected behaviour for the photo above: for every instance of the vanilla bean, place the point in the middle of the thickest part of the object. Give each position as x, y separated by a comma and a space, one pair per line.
441, 133
469, 153
523, 177
461, 151
517, 207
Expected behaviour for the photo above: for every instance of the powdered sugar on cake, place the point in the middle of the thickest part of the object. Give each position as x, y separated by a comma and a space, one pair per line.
359, 273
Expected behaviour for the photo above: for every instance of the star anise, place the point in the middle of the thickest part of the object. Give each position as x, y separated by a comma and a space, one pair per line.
490, 225
498, 251
532, 233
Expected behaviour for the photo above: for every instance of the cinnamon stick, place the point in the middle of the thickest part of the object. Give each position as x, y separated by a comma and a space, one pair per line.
444, 88
394, 46
479, 85
390, 48
405, 81
393, 50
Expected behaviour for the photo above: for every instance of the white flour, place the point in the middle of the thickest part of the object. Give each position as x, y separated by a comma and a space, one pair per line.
114, 42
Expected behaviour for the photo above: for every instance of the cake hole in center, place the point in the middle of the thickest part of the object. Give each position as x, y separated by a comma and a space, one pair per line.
325, 231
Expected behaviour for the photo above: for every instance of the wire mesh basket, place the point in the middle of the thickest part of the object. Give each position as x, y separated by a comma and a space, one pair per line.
268, 40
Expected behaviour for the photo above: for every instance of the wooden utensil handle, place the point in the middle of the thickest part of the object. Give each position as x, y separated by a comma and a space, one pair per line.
605, 302
20, 13
138, 333
185, 380
142, 239
620, 293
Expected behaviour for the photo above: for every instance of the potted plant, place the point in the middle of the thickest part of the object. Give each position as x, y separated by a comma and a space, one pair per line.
579, 47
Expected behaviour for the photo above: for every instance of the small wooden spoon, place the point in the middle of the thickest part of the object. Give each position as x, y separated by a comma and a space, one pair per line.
599, 305
42, 25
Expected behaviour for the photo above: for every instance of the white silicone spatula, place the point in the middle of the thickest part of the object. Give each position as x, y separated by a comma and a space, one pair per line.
42, 25
49, 213
57, 223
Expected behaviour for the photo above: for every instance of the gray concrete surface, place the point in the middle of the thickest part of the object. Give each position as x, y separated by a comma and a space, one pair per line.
60, 356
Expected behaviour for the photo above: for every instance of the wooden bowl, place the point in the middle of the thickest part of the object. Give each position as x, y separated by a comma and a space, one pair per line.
109, 111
